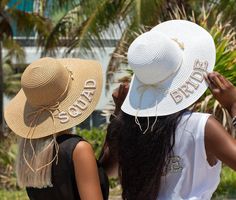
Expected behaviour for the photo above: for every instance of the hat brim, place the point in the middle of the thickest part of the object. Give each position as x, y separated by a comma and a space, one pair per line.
18, 111
159, 100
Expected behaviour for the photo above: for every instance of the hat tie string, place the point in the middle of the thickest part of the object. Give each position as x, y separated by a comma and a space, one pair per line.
33, 124
156, 87
143, 88
180, 44
36, 114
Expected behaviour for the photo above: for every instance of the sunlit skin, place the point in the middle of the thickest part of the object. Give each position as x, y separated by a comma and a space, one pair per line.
219, 143
86, 172
223, 91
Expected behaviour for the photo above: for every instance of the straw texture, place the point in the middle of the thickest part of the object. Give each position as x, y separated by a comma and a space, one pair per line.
53, 90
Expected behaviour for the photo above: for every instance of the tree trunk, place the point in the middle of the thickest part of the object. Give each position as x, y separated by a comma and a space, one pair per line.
1, 93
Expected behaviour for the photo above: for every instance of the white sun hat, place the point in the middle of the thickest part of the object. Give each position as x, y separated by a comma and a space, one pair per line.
169, 63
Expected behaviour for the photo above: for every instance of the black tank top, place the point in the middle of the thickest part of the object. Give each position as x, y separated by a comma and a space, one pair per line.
63, 175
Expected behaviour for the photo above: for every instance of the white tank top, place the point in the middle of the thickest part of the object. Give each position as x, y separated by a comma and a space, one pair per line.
189, 176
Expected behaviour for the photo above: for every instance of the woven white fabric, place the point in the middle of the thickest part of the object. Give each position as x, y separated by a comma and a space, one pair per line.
190, 177
169, 64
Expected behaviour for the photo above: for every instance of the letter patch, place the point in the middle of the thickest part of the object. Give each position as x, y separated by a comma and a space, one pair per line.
191, 84
81, 103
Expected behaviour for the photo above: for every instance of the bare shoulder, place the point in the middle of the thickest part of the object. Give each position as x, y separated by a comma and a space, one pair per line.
212, 124
83, 146
214, 131
220, 143
83, 150
86, 173
84, 159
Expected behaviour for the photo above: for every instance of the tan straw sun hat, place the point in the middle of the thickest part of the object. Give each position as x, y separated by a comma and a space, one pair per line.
56, 95
169, 63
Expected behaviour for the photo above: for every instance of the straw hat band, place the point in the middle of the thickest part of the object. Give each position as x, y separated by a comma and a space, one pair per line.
186, 89
80, 105
74, 110
162, 62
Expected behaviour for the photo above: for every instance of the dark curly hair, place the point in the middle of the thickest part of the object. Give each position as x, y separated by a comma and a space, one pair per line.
142, 158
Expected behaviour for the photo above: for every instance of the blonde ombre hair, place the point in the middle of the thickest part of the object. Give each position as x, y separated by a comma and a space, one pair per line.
34, 161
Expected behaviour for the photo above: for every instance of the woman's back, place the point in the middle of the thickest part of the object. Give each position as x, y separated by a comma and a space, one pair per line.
189, 175
63, 174
56, 95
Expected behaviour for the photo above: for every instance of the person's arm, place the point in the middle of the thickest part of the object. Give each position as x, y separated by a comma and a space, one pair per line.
223, 91
109, 162
118, 96
109, 157
86, 172
220, 143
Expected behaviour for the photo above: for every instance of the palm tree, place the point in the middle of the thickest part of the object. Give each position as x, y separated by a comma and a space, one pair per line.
44, 7
90, 22
26, 23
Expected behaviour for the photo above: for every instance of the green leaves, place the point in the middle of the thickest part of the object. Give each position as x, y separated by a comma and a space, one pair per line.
227, 186
223, 34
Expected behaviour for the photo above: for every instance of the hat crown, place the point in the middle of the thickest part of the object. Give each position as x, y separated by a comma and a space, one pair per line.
154, 57
44, 81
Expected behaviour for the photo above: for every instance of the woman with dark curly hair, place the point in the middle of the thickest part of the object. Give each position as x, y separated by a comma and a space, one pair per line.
157, 147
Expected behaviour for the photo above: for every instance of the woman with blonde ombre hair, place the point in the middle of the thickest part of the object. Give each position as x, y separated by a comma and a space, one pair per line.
52, 163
